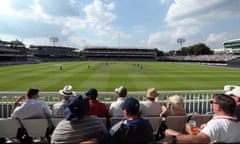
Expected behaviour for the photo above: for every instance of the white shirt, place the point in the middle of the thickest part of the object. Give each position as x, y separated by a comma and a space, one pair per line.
150, 108
32, 108
115, 109
223, 129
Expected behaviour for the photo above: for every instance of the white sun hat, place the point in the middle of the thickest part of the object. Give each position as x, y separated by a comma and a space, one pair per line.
232, 90
67, 91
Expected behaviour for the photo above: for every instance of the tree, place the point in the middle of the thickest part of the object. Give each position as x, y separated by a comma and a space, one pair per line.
197, 49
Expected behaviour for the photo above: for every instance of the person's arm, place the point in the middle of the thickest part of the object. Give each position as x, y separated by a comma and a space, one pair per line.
199, 138
17, 103
91, 141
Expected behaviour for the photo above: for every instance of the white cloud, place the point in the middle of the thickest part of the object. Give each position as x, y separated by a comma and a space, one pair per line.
197, 12
190, 17
99, 13
218, 39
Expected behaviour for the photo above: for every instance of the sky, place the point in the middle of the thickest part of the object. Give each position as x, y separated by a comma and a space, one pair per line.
120, 23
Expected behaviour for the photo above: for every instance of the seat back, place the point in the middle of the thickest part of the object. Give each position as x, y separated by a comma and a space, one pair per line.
9, 128
114, 120
177, 123
35, 127
155, 123
201, 119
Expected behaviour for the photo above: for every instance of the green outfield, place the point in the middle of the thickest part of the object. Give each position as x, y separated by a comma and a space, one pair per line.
105, 76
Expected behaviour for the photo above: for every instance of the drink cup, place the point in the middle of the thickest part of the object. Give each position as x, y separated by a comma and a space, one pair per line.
194, 129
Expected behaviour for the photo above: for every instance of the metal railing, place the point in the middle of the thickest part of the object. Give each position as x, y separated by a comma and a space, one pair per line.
194, 101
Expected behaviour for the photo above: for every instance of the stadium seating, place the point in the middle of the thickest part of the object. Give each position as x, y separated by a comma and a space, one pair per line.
177, 123
35, 127
201, 119
9, 128
155, 123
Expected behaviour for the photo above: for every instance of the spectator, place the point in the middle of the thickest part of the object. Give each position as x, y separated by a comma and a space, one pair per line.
65, 93
150, 107
77, 126
230, 90
174, 106
31, 107
133, 130
223, 127
234, 92
115, 109
96, 108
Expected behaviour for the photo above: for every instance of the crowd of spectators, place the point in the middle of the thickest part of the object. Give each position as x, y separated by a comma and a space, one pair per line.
80, 114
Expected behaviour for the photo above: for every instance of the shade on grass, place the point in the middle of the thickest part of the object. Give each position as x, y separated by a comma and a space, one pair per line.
106, 76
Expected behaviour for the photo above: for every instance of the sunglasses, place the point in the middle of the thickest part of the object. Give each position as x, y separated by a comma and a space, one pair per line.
212, 102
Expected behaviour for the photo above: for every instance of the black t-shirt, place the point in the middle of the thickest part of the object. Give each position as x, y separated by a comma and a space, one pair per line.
129, 132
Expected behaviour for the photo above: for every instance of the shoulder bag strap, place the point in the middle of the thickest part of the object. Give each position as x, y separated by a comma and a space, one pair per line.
20, 122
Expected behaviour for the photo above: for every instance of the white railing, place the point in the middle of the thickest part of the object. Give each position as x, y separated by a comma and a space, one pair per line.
195, 100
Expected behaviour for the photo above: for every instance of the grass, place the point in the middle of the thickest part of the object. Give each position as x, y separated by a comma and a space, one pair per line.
161, 75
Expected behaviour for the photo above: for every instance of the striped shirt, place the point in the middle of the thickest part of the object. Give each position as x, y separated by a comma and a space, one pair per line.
58, 109
76, 131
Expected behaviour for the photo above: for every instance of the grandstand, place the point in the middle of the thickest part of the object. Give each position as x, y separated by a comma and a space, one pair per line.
232, 46
48, 53
12, 51
104, 53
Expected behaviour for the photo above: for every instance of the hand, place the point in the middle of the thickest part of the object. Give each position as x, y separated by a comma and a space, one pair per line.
20, 98
203, 125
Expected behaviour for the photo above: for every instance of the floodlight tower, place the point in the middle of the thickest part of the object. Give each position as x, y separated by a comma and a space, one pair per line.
53, 40
181, 41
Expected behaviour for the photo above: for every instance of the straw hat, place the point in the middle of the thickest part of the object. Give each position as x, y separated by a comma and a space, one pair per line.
67, 91
152, 93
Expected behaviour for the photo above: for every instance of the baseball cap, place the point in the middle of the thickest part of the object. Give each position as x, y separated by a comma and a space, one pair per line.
76, 107
131, 104
232, 90
121, 90
91, 91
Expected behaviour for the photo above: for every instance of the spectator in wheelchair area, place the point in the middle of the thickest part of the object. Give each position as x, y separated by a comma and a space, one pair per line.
133, 130
114, 108
150, 107
96, 107
77, 126
175, 106
65, 93
223, 127
29, 107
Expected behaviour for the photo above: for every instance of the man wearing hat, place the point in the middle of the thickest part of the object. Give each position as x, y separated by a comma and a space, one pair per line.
77, 126
150, 107
133, 130
234, 92
96, 107
115, 109
65, 93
